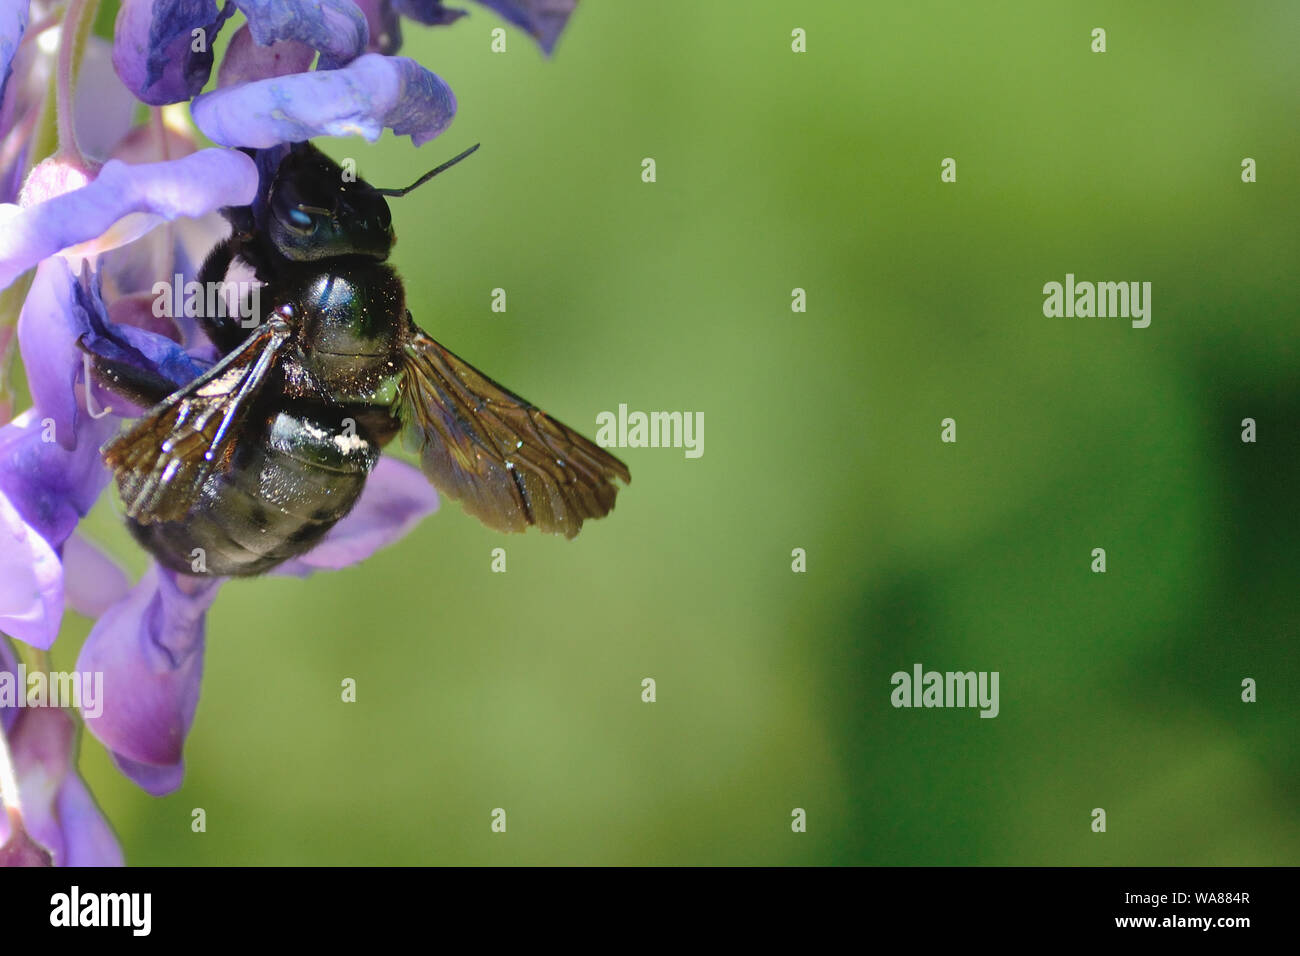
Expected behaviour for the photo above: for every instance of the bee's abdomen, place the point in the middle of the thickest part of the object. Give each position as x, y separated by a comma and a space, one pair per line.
290, 481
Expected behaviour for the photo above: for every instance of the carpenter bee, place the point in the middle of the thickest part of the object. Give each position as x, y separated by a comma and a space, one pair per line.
257, 458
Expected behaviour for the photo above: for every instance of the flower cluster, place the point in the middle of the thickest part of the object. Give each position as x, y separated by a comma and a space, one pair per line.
94, 208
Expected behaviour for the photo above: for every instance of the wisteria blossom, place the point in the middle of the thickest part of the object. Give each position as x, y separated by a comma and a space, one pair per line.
94, 208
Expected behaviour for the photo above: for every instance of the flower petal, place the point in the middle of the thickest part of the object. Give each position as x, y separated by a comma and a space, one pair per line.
31, 581
360, 99
192, 186
335, 27
147, 349
155, 780
50, 487
136, 311
19, 849
48, 327
44, 491
53, 176
88, 840
92, 581
58, 810
395, 498
30, 69
149, 647
429, 12
385, 26
13, 24
42, 744
59, 313
154, 47
543, 19
102, 104
246, 61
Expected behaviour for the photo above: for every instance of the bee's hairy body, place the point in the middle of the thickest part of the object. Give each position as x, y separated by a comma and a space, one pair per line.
288, 484
311, 442
252, 463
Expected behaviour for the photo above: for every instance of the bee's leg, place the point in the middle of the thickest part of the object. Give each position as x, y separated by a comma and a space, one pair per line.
138, 386
225, 331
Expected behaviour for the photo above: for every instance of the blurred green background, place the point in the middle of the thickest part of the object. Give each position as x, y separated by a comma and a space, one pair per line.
819, 170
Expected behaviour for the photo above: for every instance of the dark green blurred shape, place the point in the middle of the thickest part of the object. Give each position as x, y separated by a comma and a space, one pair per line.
820, 170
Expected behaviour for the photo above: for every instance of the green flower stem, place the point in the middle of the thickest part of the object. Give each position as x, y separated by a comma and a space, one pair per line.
78, 19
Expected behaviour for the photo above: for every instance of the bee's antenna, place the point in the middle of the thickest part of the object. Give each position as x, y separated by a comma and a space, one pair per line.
429, 175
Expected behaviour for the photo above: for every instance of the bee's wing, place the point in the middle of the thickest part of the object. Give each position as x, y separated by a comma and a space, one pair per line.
509, 463
162, 461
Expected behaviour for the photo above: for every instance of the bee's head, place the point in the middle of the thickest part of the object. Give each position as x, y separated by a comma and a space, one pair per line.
316, 211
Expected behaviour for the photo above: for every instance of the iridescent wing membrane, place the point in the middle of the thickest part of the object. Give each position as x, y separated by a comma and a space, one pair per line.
162, 461
509, 463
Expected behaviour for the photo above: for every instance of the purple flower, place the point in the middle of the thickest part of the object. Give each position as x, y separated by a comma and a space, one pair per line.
84, 219
148, 641
45, 490
31, 581
18, 848
93, 582
13, 24
103, 108
24, 77
90, 219
246, 61
149, 646
59, 822
163, 48
385, 26
335, 27
361, 99
542, 19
